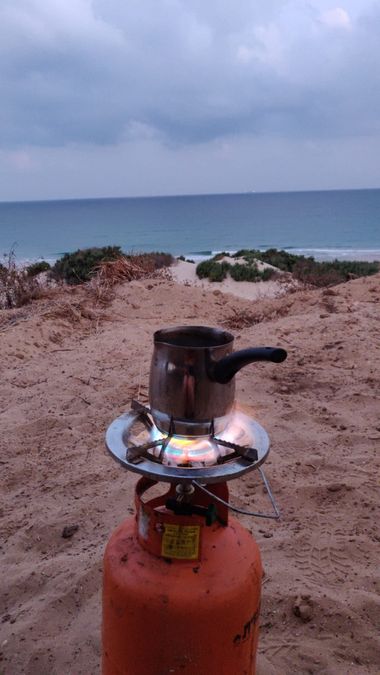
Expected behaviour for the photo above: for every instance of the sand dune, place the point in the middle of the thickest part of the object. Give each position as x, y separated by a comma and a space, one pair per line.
183, 272
66, 373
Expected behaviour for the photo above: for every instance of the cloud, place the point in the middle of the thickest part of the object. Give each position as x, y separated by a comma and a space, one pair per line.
149, 167
103, 72
336, 18
265, 46
20, 160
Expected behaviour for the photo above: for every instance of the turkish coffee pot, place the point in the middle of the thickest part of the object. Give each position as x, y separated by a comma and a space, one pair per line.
192, 378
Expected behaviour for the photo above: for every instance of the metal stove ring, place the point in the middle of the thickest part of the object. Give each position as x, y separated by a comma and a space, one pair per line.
117, 443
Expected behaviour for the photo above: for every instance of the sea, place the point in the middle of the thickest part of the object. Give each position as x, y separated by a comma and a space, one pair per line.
342, 224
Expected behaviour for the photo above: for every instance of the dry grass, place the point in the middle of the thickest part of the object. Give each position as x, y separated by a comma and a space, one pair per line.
269, 311
13, 317
81, 307
109, 274
68, 309
78, 306
17, 288
92, 297
115, 272
241, 319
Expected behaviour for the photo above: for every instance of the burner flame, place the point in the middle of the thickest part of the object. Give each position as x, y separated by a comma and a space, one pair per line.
201, 451
184, 451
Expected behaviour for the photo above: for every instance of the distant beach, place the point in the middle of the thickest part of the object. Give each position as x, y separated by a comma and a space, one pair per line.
325, 224
320, 254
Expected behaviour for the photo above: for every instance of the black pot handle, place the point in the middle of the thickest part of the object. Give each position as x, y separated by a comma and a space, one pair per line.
223, 371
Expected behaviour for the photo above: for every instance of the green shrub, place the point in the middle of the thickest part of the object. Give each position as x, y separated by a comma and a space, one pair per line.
333, 272
214, 271
37, 267
311, 272
247, 253
267, 273
244, 272
220, 256
218, 272
203, 268
355, 268
281, 259
75, 268
182, 257
307, 270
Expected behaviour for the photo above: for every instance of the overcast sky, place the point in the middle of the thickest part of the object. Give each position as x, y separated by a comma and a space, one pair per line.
145, 97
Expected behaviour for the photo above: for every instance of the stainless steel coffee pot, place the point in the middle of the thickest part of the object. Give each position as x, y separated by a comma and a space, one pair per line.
192, 384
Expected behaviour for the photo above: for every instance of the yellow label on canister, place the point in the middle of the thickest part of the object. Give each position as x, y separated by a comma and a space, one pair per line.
181, 541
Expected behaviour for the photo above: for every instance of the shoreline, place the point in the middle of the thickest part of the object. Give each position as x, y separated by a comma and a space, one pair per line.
319, 254
183, 271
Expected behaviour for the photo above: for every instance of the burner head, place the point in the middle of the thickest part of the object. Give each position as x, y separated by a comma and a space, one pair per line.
135, 441
186, 452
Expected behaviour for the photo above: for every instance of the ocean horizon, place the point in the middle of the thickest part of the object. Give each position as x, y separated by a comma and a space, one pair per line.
343, 224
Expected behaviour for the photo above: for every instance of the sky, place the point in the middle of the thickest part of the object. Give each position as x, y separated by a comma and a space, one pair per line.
103, 98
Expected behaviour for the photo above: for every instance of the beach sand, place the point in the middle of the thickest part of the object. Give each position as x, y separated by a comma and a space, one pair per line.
68, 370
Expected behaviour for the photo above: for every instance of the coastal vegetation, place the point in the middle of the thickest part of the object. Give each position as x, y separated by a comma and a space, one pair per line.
216, 269
305, 269
77, 267
212, 270
182, 257
37, 268
309, 271
251, 273
100, 268
81, 265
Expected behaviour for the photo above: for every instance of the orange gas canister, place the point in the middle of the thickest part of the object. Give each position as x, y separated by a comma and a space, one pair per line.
182, 581
181, 588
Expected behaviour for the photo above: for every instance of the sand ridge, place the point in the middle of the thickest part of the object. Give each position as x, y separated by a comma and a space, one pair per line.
66, 375
184, 272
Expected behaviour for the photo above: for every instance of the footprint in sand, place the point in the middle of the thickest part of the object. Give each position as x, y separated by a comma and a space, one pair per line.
323, 558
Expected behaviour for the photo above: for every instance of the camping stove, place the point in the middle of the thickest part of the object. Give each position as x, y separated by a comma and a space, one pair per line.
134, 440
172, 571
